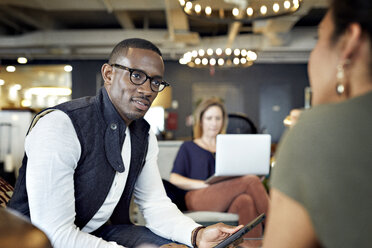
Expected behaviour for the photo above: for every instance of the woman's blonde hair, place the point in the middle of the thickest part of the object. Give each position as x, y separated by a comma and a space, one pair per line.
199, 112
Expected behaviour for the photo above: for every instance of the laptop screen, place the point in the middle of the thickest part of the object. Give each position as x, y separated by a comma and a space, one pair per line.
242, 154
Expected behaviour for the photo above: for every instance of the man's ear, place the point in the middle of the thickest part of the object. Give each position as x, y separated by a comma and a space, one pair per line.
107, 73
353, 40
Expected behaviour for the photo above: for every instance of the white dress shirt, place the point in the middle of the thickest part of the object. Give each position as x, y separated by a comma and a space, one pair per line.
53, 151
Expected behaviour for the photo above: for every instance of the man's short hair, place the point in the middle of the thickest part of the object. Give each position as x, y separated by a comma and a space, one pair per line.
122, 47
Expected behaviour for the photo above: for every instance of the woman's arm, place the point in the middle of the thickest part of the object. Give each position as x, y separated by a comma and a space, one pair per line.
289, 224
186, 183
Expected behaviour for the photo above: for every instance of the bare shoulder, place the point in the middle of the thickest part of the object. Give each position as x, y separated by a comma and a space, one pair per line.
289, 224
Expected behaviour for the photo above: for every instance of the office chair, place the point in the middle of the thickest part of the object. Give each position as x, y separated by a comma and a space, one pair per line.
240, 124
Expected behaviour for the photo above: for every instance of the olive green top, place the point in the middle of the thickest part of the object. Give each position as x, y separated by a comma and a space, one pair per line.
325, 163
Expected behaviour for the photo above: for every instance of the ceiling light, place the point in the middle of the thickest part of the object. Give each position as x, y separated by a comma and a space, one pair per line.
182, 2
263, 9
10, 68
228, 51
220, 58
208, 11
188, 5
235, 11
2, 82
227, 11
287, 4
22, 60
276, 7
249, 11
197, 8
67, 68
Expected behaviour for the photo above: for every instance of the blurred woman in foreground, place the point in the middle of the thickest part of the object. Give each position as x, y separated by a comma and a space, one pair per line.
321, 190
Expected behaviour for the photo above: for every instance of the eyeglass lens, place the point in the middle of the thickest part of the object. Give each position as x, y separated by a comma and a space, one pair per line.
139, 77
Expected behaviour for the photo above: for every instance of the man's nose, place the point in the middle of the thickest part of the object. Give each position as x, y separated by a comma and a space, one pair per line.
145, 88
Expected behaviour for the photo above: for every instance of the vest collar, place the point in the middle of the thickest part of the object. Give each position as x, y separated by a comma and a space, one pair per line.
114, 131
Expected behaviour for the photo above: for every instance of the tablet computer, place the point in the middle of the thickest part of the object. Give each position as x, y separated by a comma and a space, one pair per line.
235, 236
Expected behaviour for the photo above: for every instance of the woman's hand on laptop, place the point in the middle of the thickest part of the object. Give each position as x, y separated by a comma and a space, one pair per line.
214, 234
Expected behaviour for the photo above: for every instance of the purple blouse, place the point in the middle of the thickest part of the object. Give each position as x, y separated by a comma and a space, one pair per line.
194, 162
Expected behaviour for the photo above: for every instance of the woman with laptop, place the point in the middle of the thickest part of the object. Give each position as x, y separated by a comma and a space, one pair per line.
321, 183
195, 162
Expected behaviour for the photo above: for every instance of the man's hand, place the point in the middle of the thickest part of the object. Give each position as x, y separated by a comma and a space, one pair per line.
214, 234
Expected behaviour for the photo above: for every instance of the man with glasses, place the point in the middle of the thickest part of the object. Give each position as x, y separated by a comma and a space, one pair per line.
87, 157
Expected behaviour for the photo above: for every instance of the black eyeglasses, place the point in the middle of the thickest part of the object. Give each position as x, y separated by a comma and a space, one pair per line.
139, 77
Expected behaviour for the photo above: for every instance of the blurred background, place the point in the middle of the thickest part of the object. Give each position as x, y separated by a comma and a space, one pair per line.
52, 51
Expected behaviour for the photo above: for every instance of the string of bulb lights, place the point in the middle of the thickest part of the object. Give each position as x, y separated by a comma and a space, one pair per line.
219, 57
238, 10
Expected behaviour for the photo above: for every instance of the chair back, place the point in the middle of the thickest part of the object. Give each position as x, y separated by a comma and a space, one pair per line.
240, 124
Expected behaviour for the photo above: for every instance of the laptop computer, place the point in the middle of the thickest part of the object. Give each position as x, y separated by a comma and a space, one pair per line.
241, 154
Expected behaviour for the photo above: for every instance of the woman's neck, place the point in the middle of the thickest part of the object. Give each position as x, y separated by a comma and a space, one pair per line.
208, 143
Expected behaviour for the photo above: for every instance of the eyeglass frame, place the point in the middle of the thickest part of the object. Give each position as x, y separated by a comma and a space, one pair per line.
131, 70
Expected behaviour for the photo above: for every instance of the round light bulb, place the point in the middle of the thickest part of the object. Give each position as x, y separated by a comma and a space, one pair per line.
22, 60
249, 11
218, 51
205, 61
243, 60
67, 68
197, 8
212, 61
263, 9
221, 61
251, 56
287, 4
237, 52
236, 61
10, 68
209, 51
244, 52
188, 6
276, 7
208, 10
235, 11
182, 2
228, 51
201, 52
197, 61
2, 82
194, 53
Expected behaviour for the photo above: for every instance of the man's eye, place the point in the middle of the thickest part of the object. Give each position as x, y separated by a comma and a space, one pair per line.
156, 83
136, 75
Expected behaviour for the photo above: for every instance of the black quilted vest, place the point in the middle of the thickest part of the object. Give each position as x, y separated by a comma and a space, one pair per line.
101, 132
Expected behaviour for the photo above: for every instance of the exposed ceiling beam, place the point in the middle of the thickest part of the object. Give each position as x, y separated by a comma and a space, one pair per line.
178, 26
58, 5
5, 20
124, 19
97, 44
37, 22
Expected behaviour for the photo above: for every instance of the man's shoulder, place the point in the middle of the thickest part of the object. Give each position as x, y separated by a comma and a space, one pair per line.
75, 104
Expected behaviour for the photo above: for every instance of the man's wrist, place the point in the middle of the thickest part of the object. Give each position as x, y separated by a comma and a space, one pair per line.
195, 238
